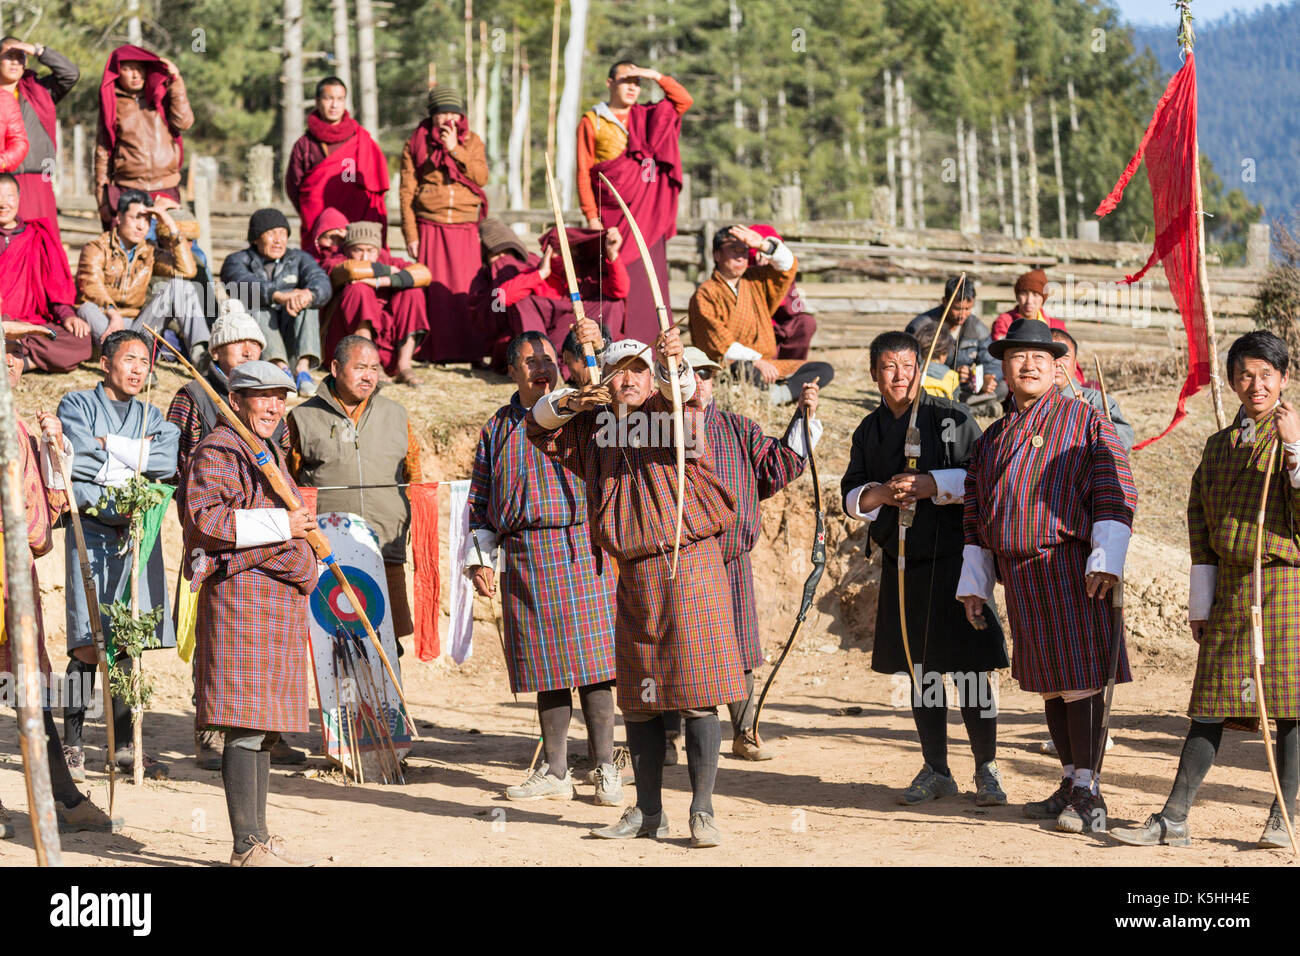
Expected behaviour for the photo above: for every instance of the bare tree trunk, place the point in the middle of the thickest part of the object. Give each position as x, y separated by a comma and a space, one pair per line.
1056, 163
292, 120
1031, 159
469, 58
737, 104
905, 154
526, 108
495, 156
555, 79
480, 90
134, 35
920, 180
368, 92
1018, 229
763, 154
1074, 132
973, 176
342, 47
890, 146
566, 125
963, 205
520, 134
1001, 192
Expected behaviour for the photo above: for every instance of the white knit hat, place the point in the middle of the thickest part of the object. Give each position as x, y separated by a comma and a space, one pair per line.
235, 325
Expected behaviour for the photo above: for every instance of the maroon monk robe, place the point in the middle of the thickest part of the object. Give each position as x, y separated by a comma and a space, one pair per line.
352, 177
394, 314
36, 287
492, 319
453, 254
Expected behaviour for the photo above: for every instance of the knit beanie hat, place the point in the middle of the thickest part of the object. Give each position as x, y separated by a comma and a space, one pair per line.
264, 220
443, 99
496, 237
364, 233
1033, 281
235, 325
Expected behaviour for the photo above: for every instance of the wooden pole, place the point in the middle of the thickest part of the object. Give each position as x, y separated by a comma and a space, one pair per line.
20, 624
891, 175
367, 81
552, 96
1203, 288
292, 119
342, 46
1031, 159
1017, 226
469, 58
137, 671
526, 169
480, 88
1056, 163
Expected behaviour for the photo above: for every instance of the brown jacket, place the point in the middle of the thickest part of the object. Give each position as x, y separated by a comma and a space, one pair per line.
427, 194
145, 154
719, 316
106, 278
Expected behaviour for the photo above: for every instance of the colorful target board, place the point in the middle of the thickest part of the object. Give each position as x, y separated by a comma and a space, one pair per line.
355, 694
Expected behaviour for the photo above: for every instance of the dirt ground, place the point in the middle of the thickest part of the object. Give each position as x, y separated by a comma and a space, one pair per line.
844, 745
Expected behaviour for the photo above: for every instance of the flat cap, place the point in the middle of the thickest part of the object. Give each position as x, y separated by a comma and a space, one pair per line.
258, 376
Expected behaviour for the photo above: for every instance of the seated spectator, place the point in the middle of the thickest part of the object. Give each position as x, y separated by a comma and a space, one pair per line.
378, 297
939, 379
284, 289
792, 323
977, 371
1067, 371
503, 258
116, 270
36, 286
731, 314
330, 230
1031, 294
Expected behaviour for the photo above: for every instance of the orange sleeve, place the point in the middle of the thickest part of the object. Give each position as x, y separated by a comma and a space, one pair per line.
586, 159
414, 473
675, 93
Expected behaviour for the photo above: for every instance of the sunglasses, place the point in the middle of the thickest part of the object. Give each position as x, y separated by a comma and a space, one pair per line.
706, 374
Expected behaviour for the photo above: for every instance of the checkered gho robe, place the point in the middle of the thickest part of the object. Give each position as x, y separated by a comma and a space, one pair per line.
1221, 514
675, 642
558, 611
1034, 508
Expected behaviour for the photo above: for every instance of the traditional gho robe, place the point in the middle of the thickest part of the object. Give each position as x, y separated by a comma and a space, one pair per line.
338, 166
754, 467
940, 638
253, 582
557, 601
1049, 498
36, 286
395, 313
1222, 511
722, 317
85, 416
640, 153
675, 643
45, 502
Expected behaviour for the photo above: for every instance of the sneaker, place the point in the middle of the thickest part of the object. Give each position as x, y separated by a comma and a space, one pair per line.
1051, 808
277, 846
988, 786
704, 832
926, 786
76, 761
84, 815
670, 750
633, 823
747, 746
208, 745
1275, 836
1085, 814
542, 785
282, 755
1158, 830
306, 385
259, 855
125, 760
609, 786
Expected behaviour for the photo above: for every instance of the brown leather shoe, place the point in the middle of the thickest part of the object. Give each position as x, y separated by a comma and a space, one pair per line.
259, 855
282, 755
747, 746
86, 816
208, 746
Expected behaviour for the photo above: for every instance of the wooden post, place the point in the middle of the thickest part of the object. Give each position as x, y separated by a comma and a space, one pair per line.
259, 179
342, 46
570, 108
526, 176
469, 59
134, 35
1258, 246
787, 203
292, 118
1000, 191
890, 172
205, 185
480, 90
553, 91
57, 172
495, 156
963, 204
80, 185
1017, 221
905, 153
1056, 163
20, 616
1074, 132
366, 79
917, 176
973, 177
1031, 159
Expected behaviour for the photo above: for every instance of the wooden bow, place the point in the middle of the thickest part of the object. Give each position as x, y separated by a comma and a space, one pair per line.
291, 501
665, 324
570, 277
911, 466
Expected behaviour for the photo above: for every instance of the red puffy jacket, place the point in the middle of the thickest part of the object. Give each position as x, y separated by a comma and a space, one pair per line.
13, 135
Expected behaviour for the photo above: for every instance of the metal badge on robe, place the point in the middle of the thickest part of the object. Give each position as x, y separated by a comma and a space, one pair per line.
1037, 441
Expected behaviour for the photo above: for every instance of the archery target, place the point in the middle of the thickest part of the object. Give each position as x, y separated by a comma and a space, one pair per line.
330, 605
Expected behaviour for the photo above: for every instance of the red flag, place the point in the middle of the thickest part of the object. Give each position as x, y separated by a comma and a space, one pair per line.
1169, 147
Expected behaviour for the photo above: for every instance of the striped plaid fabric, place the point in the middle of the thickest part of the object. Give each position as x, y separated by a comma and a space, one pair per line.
1221, 513
251, 636
754, 467
678, 635
1034, 506
558, 611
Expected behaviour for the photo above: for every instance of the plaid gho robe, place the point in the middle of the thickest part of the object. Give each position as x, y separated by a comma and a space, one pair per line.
674, 641
1034, 508
251, 649
754, 467
1221, 513
558, 609
720, 316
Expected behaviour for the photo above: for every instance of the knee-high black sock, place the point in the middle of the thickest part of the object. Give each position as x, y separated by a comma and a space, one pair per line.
1084, 718
981, 719
239, 778
703, 738
1058, 726
263, 792
645, 740
61, 785
1199, 751
932, 728
742, 711
554, 711
81, 681
598, 714
672, 723
1288, 761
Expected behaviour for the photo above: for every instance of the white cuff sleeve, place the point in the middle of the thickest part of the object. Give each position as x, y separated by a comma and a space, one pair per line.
481, 541
978, 573
952, 485
127, 450
794, 435
1293, 449
113, 473
255, 527
1200, 593
741, 353
853, 503
782, 257
53, 477
685, 380
1109, 548
547, 412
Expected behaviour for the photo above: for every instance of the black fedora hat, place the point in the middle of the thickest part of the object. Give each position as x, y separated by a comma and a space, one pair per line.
1028, 334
